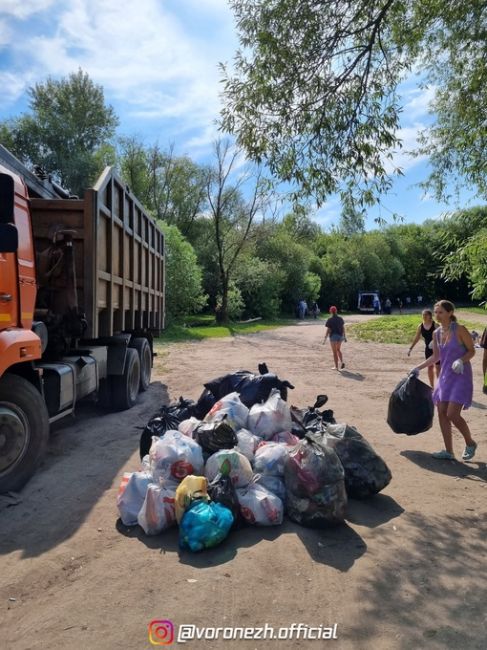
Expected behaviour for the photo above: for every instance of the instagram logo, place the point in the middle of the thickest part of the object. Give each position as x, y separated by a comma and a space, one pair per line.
161, 632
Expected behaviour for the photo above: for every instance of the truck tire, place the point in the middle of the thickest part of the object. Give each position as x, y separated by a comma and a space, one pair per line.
125, 388
145, 357
24, 431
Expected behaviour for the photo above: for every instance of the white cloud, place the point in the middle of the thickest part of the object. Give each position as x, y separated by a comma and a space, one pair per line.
401, 157
417, 102
22, 9
12, 87
145, 56
5, 34
329, 213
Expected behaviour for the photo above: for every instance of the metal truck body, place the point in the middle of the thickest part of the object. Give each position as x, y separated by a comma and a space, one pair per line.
81, 297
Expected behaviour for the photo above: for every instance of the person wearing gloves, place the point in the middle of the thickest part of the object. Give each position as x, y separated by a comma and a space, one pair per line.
425, 329
335, 330
453, 347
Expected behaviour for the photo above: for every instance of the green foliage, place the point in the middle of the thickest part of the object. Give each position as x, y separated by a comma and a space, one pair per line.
260, 283
172, 187
234, 303
313, 92
68, 132
184, 293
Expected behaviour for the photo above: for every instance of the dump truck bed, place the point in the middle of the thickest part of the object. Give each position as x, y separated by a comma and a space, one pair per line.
119, 256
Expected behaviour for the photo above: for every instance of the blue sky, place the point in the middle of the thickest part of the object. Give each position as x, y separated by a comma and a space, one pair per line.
157, 61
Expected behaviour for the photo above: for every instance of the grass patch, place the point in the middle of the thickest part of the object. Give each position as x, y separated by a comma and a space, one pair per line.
180, 333
474, 310
395, 329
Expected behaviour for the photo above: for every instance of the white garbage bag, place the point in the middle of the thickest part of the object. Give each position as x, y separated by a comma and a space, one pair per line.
232, 463
270, 458
247, 443
260, 506
188, 426
175, 456
131, 495
271, 417
231, 409
158, 511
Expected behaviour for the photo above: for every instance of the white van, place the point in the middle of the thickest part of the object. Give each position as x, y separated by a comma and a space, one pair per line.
366, 300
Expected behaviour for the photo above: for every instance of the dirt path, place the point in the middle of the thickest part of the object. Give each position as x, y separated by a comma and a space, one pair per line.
406, 571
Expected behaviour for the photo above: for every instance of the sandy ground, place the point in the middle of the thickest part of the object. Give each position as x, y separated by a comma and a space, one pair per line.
407, 570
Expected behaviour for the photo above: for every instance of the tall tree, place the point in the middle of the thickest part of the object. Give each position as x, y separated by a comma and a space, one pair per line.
234, 200
67, 132
184, 294
172, 187
313, 92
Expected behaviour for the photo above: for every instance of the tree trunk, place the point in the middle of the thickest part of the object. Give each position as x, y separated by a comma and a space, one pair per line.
222, 313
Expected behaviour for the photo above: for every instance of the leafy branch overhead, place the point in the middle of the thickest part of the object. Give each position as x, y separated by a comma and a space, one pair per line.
313, 90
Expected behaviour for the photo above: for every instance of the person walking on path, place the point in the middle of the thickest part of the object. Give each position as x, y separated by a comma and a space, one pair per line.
335, 331
483, 344
453, 346
425, 329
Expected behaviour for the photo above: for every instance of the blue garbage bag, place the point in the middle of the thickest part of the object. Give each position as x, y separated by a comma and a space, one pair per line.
204, 525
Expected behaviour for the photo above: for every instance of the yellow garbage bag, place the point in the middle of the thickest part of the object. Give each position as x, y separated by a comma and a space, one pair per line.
190, 488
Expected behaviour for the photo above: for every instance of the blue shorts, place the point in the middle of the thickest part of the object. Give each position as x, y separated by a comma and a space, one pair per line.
336, 337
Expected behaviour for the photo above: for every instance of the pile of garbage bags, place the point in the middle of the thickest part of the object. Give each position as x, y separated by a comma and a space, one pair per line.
249, 458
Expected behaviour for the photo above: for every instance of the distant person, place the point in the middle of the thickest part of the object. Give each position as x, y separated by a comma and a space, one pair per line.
335, 331
302, 308
483, 344
408, 301
315, 310
453, 347
425, 329
399, 305
376, 305
387, 306
420, 300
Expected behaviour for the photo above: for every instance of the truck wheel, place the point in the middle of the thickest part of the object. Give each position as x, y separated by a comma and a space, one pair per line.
24, 431
125, 388
145, 356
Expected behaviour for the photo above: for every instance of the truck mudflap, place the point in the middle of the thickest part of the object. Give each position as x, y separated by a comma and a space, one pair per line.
18, 346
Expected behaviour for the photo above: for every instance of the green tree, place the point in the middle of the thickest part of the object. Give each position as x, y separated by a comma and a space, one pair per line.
314, 90
68, 131
260, 283
171, 187
464, 248
184, 294
231, 214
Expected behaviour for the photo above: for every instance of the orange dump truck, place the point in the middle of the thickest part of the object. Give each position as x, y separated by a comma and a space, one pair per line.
81, 297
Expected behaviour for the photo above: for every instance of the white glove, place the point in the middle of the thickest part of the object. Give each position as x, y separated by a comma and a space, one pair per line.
430, 345
457, 366
414, 371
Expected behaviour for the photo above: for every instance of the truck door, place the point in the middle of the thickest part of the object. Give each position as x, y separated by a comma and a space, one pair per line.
9, 303
9, 289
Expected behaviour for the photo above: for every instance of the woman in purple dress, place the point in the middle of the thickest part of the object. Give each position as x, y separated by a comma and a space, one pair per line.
453, 347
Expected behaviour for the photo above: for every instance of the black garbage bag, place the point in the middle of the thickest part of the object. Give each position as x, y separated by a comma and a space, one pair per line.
315, 483
365, 471
252, 388
411, 407
205, 403
213, 436
168, 417
311, 419
221, 490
